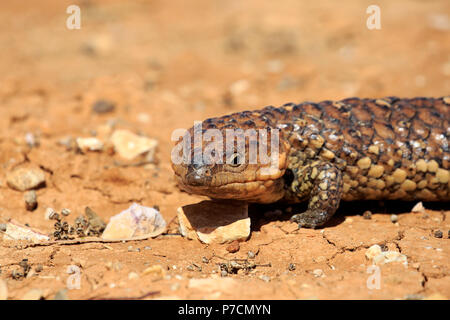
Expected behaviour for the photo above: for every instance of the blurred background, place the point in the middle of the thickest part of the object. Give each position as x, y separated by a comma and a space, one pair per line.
209, 57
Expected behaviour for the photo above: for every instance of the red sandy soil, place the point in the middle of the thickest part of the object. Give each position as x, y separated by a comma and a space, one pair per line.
167, 63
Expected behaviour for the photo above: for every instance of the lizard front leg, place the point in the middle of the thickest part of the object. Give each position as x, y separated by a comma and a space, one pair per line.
322, 185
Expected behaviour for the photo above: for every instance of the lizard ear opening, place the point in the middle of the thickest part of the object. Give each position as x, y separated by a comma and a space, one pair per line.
288, 177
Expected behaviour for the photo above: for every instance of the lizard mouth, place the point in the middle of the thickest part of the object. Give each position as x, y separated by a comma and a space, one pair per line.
252, 191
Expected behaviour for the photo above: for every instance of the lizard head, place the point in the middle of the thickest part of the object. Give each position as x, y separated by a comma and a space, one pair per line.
238, 160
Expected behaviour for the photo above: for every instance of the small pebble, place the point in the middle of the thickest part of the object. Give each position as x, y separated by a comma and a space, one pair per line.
30, 200
418, 208
394, 218
291, 267
205, 260
39, 268
233, 247
147, 248
103, 106
31, 140
65, 212
223, 273
367, 215
265, 278
251, 255
3, 227
133, 275
67, 142
438, 234
318, 273
49, 212
190, 268
23, 179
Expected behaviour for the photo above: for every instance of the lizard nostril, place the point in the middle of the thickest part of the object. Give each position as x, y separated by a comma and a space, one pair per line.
195, 179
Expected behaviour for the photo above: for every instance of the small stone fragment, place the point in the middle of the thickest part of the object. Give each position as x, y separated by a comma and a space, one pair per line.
68, 142
190, 268
265, 278
23, 179
418, 208
3, 227
318, 273
394, 218
129, 145
367, 215
89, 144
65, 212
135, 222
30, 200
133, 276
390, 256
103, 106
291, 267
157, 271
205, 260
49, 214
438, 234
215, 222
233, 247
373, 251
15, 231
251, 255
31, 140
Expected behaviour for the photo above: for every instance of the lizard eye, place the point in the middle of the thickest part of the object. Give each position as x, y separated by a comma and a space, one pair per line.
235, 160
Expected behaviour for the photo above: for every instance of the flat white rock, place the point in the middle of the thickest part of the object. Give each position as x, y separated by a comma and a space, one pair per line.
89, 144
136, 222
129, 145
215, 222
23, 179
15, 231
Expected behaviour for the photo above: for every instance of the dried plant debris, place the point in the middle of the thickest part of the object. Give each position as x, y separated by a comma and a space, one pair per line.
23, 272
235, 265
90, 225
96, 224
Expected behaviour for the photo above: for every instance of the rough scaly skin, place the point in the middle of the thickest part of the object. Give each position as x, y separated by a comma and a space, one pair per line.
354, 149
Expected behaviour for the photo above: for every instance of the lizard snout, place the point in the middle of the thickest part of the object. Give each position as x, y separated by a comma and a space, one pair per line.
198, 176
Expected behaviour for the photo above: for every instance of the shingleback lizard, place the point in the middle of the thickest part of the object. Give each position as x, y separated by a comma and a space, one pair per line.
353, 149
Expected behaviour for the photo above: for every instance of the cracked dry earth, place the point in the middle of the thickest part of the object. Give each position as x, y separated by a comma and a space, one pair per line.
163, 68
